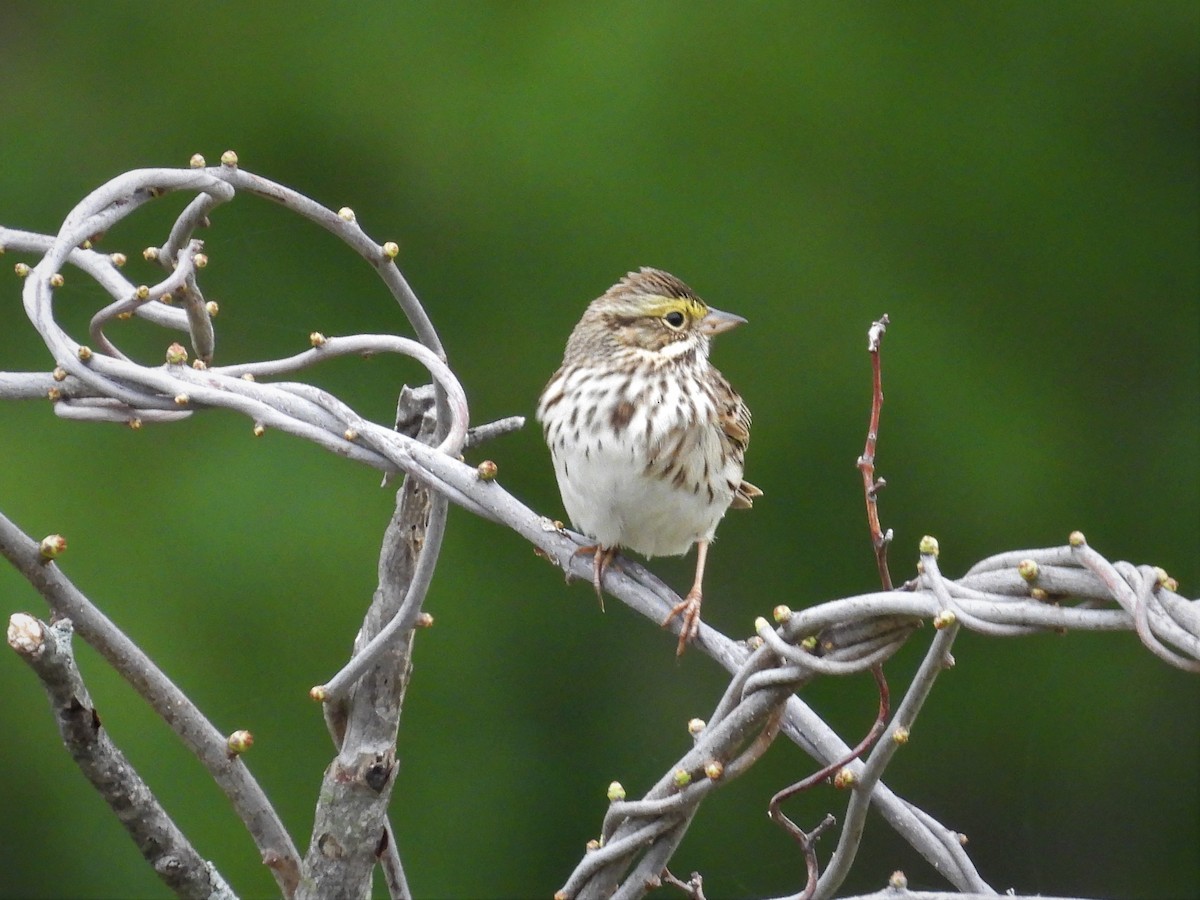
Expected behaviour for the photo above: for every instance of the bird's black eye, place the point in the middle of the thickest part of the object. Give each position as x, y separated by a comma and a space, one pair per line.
674, 318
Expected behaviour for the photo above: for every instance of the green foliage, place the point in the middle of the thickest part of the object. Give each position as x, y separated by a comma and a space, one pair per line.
1015, 184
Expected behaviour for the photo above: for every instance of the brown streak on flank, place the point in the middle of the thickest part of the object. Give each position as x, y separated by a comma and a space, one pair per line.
552, 401
621, 415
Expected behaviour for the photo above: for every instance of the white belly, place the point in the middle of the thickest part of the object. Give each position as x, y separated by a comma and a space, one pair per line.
609, 497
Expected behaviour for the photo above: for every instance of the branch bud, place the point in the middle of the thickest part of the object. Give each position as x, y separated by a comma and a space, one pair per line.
56, 280
135, 424
898, 881
212, 309
391, 249
317, 339
259, 429
197, 161
714, 769
346, 214
616, 792
682, 778
944, 619
150, 254
781, 613
487, 470
52, 546
695, 726
239, 742
1165, 580
1077, 539
1041, 595
928, 546
900, 736
166, 298
59, 374
318, 693
200, 260
424, 620
118, 259
54, 394
229, 158
176, 354
141, 292
84, 352
1028, 569
21, 269
845, 778
199, 365
350, 434
247, 376
182, 399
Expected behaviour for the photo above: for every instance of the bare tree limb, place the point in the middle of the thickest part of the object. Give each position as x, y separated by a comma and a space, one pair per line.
351, 829
171, 704
47, 650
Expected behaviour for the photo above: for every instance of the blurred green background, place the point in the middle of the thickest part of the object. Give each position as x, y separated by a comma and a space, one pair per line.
1016, 184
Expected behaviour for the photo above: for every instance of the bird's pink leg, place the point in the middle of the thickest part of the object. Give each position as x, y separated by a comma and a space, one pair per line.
689, 607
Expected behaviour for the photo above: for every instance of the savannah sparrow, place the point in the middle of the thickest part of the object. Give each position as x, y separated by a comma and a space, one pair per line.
647, 437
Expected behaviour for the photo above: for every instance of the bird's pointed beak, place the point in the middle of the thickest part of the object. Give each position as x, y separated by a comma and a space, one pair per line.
717, 321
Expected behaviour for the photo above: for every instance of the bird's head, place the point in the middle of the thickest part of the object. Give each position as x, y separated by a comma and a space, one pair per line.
651, 311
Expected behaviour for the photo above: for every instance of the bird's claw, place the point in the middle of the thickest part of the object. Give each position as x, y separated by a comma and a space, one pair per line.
688, 609
602, 558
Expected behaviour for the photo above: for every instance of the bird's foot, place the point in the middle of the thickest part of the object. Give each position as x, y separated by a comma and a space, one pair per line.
688, 609
602, 558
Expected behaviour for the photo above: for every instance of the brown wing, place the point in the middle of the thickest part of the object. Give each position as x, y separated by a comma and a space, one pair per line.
734, 419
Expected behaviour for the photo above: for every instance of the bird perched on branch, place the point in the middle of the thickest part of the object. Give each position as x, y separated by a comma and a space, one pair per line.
647, 437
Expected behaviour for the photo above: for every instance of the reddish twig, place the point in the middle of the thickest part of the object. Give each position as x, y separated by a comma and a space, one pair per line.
693, 887
808, 839
866, 463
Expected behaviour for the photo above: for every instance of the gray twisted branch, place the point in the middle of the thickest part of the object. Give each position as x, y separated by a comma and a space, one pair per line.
851, 635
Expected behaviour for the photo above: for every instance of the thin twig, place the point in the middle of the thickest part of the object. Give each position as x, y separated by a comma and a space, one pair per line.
693, 887
807, 840
393, 868
818, 777
866, 463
